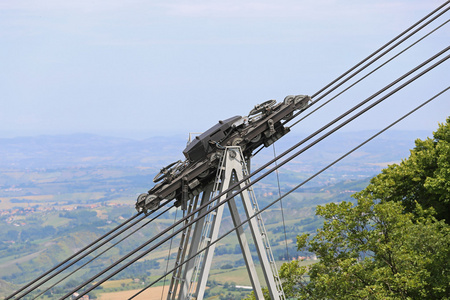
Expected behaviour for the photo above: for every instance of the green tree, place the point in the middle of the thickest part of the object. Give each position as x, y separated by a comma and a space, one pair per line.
252, 296
373, 251
424, 177
393, 244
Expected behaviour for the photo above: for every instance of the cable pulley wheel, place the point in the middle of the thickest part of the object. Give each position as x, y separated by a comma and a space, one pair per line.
141, 198
151, 202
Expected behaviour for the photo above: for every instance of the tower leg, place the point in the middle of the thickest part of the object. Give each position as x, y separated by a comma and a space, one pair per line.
195, 243
261, 248
245, 250
232, 168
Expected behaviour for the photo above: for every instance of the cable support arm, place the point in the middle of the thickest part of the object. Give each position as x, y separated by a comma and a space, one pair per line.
267, 173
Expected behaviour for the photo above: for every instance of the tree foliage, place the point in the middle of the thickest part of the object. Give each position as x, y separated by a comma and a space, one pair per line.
373, 251
424, 177
394, 243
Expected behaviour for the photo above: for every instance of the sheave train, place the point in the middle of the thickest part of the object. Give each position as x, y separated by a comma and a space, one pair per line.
182, 180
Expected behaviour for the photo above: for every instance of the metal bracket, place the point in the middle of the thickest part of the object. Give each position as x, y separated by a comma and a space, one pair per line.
271, 128
184, 194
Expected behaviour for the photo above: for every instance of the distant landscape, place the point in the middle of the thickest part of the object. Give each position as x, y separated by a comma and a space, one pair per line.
58, 193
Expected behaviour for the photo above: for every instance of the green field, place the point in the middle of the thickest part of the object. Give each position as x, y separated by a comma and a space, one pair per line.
54, 213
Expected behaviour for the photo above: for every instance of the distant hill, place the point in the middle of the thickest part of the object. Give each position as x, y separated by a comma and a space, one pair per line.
55, 192
87, 150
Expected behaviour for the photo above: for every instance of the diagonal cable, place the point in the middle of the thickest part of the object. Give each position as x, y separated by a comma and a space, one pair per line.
294, 189
364, 77
281, 206
264, 175
71, 257
387, 44
109, 248
368, 64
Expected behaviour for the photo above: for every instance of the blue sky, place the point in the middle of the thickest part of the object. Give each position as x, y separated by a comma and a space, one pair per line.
143, 68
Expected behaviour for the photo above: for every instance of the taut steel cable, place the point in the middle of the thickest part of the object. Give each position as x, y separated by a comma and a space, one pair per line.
387, 44
107, 249
72, 256
262, 176
296, 188
365, 76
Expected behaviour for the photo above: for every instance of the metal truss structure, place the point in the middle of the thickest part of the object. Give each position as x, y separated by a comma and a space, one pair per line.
189, 281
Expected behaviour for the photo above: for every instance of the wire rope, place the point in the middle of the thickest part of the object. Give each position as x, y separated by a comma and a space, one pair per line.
262, 176
387, 44
281, 206
372, 61
168, 255
91, 250
109, 248
295, 188
71, 257
364, 77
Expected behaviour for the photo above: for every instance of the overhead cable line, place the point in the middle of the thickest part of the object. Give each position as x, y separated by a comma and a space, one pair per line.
372, 61
249, 176
387, 44
84, 254
294, 189
367, 75
281, 205
235, 185
73, 256
109, 248
168, 255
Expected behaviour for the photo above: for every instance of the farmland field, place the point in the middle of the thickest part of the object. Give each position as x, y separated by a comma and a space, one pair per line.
56, 198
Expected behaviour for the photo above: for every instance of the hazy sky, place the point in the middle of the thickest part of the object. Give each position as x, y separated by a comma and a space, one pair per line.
142, 68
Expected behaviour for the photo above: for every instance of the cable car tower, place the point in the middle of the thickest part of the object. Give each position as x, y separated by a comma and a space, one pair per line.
214, 172
217, 160
189, 281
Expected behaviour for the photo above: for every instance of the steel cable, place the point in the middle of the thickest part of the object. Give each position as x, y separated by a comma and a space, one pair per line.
362, 78
385, 45
264, 175
294, 189
281, 206
371, 62
72, 256
86, 253
109, 248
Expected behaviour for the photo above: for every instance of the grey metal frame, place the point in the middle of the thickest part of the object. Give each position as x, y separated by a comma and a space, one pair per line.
232, 168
